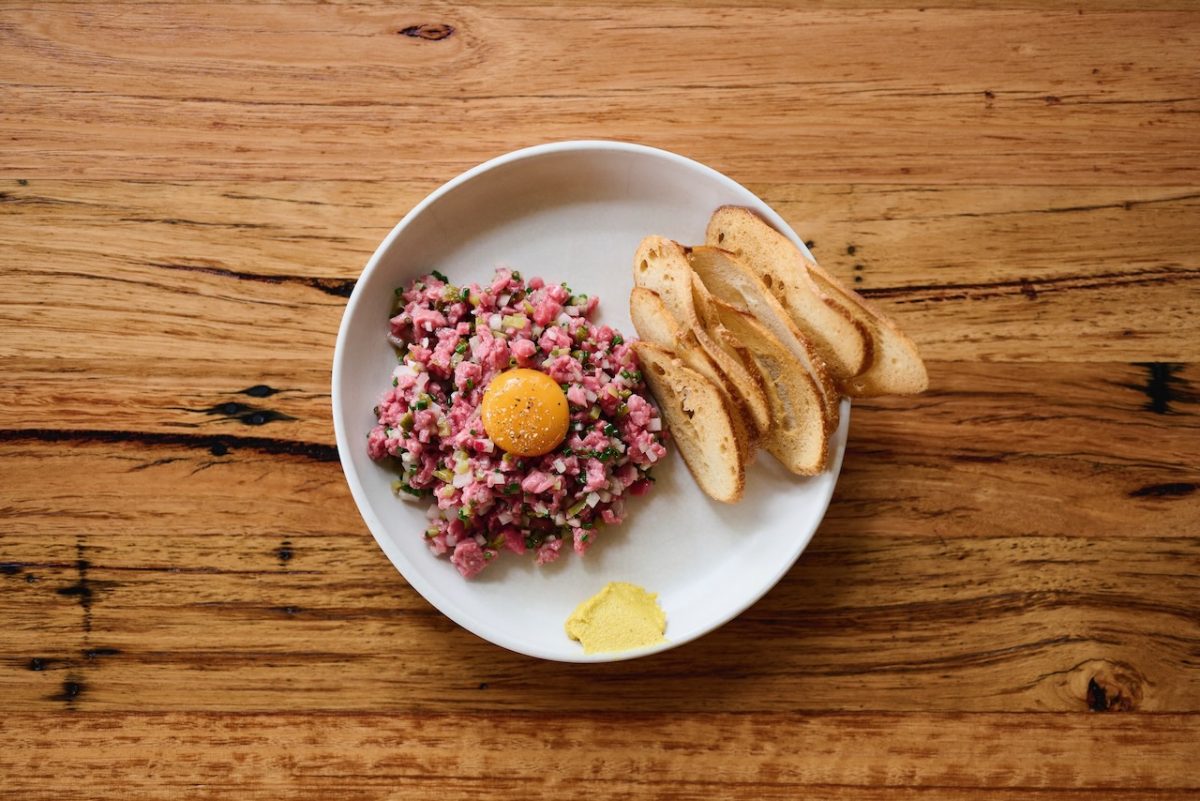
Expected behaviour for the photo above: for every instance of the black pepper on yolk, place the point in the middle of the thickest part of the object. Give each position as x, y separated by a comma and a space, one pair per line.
525, 412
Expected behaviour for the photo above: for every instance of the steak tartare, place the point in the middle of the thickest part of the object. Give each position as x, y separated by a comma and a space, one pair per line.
451, 342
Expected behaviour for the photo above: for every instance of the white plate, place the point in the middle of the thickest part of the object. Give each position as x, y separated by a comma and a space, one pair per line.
574, 212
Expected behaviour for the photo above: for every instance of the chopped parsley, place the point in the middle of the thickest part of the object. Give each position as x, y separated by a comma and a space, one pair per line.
608, 453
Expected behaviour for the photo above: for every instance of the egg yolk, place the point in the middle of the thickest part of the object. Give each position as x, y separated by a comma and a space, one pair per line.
525, 412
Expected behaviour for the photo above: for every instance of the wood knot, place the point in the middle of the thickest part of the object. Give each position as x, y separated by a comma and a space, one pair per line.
1106, 686
431, 31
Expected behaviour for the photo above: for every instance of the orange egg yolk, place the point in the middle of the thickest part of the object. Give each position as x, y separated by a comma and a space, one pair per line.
525, 412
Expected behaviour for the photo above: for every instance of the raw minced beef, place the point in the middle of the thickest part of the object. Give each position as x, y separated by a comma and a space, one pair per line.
451, 342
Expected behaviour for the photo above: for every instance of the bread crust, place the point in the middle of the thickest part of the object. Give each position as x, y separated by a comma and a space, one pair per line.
843, 342
661, 266
893, 365
699, 420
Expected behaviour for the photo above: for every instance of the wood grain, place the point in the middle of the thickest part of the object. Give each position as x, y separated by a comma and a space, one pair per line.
1114, 269
1049, 98
968, 574
1001, 601
506, 756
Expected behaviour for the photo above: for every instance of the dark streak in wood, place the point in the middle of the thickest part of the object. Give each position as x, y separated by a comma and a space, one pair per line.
1097, 698
982, 458
37, 664
155, 463
198, 223
245, 414
1161, 384
1173, 490
243, 196
259, 391
338, 287
938, 293
96, 653
72, 688
11, 568
316, 451
82, 588
1125, 205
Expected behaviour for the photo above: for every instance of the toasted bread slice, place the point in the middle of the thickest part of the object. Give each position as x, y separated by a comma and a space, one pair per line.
842, 341
661, 266
710, 321
655, 324
699, 420
894, 366
730, 279
799, 434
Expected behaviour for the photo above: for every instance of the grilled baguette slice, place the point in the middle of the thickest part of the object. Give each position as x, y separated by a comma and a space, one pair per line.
655, 324
799, 433
729, 278
700, 422
894, 367
842, 341
661, 266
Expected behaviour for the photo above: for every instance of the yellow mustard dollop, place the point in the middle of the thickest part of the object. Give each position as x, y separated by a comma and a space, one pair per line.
620, 617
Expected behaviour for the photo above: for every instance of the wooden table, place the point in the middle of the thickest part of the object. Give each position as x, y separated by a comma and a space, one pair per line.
1003, 601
